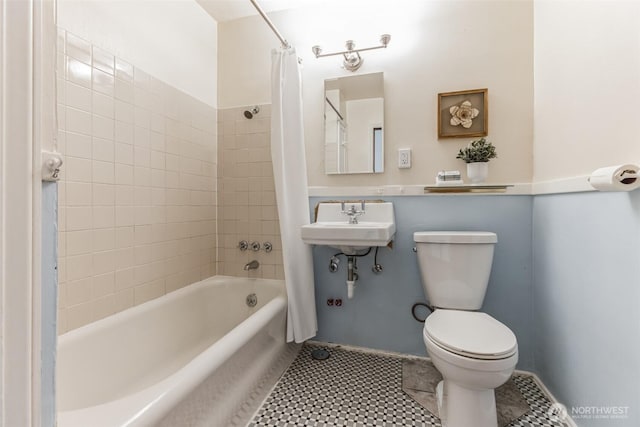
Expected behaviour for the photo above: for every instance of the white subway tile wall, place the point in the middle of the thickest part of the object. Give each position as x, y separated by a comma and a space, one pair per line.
137, 195
246, 192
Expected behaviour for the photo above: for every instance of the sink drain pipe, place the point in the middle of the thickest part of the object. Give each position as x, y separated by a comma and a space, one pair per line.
352, 268
352, 276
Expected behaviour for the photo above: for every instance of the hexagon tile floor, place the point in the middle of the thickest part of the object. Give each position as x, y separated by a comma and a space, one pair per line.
360, 389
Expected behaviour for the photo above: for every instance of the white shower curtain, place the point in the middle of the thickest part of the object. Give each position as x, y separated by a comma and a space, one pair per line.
290, 174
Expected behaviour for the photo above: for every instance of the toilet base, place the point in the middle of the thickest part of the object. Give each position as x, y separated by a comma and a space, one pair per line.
462, 407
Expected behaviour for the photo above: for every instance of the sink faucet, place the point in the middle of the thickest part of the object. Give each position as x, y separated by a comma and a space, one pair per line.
353, 212
253, 265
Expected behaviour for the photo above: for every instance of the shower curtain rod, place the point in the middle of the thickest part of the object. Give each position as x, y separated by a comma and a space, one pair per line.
285, 43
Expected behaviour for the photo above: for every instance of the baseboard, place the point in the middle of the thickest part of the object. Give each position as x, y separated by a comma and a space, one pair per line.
367, 350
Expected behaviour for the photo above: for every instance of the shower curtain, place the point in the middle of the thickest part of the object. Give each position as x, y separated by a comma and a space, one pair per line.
290, 174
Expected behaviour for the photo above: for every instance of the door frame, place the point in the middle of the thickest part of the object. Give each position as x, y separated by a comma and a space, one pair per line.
27, 125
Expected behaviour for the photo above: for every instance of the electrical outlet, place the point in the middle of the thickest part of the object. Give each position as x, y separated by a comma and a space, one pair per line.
404, 158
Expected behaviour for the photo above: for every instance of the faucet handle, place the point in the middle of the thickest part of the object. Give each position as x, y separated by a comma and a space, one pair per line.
342, 206
362, 205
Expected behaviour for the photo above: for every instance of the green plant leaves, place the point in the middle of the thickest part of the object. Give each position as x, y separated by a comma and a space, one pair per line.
479, 150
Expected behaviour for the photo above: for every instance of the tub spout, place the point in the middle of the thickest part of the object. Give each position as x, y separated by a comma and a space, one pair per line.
253, 265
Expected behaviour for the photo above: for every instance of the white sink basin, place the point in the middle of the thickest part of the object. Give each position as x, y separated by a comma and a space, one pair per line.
376, 227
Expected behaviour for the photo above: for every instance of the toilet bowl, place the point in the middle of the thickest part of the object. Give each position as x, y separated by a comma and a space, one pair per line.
475, 354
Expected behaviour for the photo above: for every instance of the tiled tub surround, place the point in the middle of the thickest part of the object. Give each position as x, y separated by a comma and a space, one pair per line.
137, 196
246, 191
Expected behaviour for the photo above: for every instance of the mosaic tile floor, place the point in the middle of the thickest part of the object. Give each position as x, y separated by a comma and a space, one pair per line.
353, 388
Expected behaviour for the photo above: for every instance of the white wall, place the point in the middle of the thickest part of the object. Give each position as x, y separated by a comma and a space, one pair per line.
175, 41
587, 81
362, 116
435, 47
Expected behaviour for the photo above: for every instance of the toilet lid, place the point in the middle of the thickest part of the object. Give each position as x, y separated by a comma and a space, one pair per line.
471, 334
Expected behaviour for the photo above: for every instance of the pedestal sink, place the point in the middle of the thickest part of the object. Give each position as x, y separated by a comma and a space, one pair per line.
351, 227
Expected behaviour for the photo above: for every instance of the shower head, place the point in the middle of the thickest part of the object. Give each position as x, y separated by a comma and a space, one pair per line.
250, 113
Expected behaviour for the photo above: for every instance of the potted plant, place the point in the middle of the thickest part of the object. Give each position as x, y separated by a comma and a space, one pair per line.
477, 155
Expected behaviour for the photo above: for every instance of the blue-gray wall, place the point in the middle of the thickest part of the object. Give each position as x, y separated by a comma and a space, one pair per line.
587, 301
49, 300
379, 314
565, 279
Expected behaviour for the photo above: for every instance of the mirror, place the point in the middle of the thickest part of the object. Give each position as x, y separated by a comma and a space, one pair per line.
353, 124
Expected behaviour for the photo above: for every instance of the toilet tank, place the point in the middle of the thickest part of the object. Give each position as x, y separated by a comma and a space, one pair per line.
455, 267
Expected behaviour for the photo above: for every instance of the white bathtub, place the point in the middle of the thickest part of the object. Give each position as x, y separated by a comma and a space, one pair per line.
198, 356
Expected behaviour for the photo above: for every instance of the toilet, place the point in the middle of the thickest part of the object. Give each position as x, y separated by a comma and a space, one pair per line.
474, 352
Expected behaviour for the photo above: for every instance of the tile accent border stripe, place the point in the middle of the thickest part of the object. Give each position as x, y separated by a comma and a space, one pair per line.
518, 189
578, 184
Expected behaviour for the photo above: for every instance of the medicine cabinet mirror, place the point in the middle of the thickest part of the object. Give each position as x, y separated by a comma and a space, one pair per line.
354, 124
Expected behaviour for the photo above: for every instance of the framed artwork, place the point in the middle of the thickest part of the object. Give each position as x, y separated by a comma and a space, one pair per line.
463, 114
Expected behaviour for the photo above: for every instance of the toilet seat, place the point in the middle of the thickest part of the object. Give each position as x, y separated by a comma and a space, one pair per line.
470, 334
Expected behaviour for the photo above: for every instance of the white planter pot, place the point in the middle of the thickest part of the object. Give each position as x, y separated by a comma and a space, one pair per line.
478, 172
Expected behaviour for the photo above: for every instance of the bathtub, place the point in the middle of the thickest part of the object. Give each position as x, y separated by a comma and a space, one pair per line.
199, 356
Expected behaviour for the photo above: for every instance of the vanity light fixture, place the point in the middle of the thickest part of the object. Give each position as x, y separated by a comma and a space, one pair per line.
352, 59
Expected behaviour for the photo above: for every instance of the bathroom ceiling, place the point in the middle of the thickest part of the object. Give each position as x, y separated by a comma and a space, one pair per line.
227, 10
